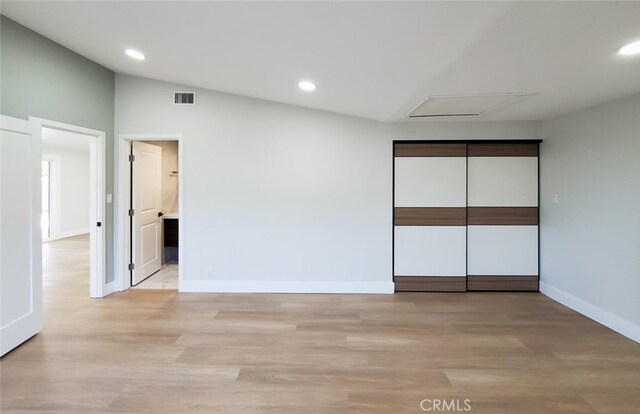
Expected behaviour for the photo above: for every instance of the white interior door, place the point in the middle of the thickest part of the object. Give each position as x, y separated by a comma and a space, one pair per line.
20, 233
146, 194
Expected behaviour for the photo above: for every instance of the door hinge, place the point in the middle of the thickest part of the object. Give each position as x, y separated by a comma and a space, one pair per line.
132, 266
132, 212
132, 158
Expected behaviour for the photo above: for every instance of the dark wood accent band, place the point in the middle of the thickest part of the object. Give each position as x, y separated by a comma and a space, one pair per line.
430, 216
503, 216
429, 150
465, 141
503, 150
511, 283
430, 283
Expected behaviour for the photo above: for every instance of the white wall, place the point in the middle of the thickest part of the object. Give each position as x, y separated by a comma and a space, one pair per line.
424, 129
275, 197
71, 192
590, 240
169, 202
278, 197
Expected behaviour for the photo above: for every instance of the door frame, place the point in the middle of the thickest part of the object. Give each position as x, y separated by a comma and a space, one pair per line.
54, 200
98, 287
123, 190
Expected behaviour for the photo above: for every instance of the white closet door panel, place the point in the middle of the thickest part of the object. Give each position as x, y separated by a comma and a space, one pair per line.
503, 250
430, 182
430, 251
503, 181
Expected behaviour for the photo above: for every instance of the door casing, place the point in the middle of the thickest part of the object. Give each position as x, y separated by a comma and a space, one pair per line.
98, 287
123, 189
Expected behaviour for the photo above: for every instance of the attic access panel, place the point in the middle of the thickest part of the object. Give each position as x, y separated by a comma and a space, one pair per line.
463, 105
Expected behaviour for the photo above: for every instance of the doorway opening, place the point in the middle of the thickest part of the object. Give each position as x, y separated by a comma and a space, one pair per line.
149, 211
72, 189
45, 216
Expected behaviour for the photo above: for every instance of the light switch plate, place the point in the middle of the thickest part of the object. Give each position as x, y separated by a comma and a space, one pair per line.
109, 198
554, 198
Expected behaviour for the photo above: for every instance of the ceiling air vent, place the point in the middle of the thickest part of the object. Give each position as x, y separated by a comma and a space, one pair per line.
463, 105
184, 98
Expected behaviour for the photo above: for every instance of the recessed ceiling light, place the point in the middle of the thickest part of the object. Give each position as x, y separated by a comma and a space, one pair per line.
132, 53
306, 86
630, 49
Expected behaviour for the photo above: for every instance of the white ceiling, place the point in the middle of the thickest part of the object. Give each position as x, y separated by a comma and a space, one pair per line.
372, 59
53, 138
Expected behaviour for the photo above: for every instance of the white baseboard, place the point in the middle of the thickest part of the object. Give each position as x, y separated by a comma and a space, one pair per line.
216, 286
608, 319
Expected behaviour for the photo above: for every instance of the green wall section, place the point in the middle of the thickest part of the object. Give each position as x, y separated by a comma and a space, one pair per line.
38, 77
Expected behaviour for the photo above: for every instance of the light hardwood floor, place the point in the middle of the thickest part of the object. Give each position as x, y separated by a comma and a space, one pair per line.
157, 351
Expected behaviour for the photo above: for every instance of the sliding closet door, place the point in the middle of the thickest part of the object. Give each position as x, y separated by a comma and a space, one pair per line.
430, 198
503, 216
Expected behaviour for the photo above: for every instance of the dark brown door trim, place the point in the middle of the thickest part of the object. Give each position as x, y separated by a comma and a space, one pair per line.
430, 283
429, 150
523, 216
430, 216
502, 283
503, 150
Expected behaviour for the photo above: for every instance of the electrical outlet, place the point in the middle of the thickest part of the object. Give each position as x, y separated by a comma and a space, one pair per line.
210, 271
554, 198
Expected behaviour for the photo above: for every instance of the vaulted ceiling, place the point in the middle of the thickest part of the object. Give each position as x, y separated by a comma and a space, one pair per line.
372, 59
